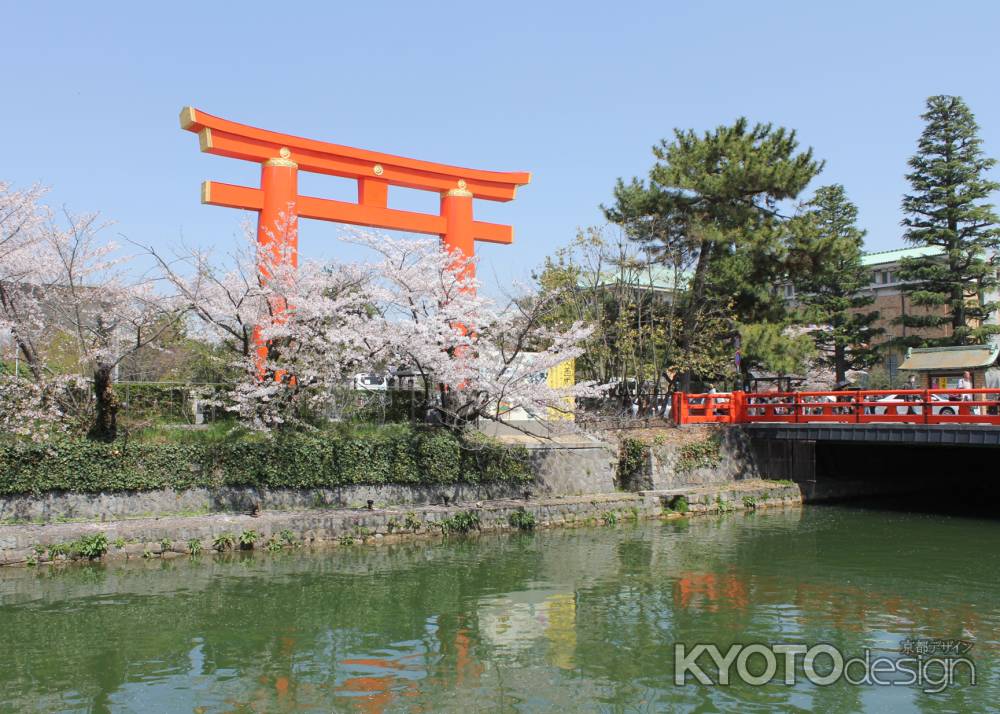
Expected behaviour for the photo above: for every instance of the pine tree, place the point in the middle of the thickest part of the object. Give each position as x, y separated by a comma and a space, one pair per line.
710, 206
825, 268
948, 209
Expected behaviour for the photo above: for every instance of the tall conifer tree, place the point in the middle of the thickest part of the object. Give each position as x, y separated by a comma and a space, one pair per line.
948, 208
825, 267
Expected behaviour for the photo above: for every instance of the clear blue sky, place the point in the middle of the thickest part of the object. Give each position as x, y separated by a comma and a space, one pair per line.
576, 93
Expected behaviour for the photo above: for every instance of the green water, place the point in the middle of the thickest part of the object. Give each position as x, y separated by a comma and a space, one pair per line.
563, 620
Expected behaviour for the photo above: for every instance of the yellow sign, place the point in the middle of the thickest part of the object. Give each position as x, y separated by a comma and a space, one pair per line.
559, 377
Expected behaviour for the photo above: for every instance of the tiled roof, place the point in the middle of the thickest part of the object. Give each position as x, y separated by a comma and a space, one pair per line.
963, 357
884, 257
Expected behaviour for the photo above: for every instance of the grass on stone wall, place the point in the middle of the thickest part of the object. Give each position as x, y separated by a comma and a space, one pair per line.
705, 453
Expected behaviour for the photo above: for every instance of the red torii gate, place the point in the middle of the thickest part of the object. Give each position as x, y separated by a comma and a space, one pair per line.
282, 156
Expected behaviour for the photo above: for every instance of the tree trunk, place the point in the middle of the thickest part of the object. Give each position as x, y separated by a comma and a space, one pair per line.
958, 320
105, 426
839, 366
694, 305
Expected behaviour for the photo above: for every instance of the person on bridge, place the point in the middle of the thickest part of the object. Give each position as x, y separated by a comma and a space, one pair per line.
966, 383
911, 383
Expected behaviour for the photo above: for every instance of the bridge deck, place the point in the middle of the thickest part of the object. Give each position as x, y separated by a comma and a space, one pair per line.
929, 434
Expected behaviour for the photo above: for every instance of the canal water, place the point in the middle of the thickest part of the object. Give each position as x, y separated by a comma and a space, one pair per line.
561, 620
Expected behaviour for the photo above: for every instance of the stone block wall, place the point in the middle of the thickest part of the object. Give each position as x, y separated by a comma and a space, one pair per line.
559, 470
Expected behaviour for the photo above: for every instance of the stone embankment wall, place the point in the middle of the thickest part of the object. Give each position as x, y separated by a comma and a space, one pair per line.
173, 537
678, 458
719, 456
559, 469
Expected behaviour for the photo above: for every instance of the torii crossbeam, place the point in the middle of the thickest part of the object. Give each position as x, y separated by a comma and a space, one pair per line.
282, 156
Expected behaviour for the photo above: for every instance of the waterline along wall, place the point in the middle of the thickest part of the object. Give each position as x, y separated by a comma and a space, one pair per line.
275, 530
159, 500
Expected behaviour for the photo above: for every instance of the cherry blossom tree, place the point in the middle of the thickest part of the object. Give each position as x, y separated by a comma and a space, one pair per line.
479, 357
414, 306
21, 219
36, 408
108, 315
292, 332
68, 296
227, 296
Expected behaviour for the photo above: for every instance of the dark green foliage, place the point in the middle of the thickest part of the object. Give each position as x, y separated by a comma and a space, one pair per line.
770, 346
224, 542
631, 459
710, 207
700, 454
412, 523
92, 546
155, 401
824, 263
291, 460
460, 523
248, 538
948, 209
522, 520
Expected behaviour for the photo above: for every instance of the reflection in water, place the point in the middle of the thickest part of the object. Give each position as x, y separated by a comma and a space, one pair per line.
561, 620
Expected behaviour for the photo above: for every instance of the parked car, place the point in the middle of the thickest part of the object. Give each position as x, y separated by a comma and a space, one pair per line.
371, 382
903, 407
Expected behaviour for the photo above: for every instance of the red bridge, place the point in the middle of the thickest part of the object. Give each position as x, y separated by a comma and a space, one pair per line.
901, 406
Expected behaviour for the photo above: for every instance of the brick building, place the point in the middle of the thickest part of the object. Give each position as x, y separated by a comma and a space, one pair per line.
891, 302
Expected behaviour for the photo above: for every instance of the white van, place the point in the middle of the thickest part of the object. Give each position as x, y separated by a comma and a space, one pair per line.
371, 382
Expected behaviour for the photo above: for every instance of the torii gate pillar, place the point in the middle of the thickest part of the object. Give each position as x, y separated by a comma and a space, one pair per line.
456, 208
277, 221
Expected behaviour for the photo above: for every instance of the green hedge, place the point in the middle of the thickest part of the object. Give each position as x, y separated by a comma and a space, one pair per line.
294, 460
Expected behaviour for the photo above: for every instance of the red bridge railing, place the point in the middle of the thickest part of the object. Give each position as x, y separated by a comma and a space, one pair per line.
871, 406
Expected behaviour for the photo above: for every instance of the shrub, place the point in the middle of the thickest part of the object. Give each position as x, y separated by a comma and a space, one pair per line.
609, 518
284, 460
679, 504
460, 523
194, 546
631, 458
522, 520
412, 523
248, 538
224, 542
700, 454
92, 546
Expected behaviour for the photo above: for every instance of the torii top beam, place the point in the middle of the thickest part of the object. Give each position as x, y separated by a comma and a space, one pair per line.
282, 155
